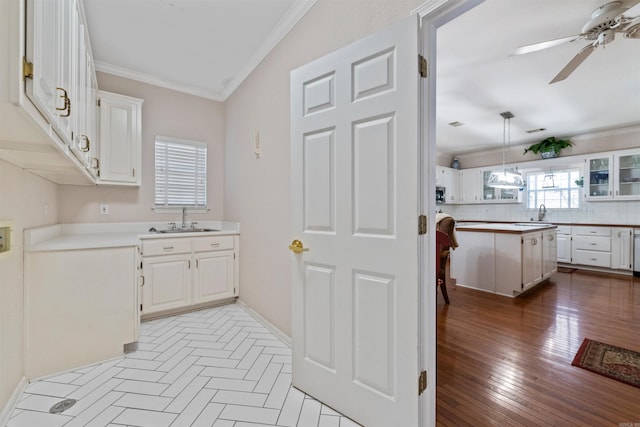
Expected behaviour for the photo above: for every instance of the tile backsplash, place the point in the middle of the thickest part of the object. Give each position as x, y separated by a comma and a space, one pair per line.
619, 212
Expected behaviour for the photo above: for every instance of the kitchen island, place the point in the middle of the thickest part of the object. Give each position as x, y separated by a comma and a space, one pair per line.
506, 259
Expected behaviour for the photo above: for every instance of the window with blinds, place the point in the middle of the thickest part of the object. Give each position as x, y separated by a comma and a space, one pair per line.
181, 173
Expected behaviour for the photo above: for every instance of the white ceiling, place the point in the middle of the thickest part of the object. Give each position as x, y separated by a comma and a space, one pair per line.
202, 47
207, 48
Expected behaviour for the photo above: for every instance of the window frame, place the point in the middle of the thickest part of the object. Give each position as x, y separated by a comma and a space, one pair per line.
573, 187
199, 199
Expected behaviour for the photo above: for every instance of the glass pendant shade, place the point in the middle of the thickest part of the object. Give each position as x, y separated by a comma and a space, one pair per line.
504, 178
549, 181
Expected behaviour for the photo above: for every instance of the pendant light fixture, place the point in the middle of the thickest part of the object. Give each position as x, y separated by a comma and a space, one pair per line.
549, 180
504, 178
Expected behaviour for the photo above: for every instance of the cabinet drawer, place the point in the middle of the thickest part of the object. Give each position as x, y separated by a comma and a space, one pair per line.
594, 258
592, 243
165, 247
563, 229
592, 231
213, 243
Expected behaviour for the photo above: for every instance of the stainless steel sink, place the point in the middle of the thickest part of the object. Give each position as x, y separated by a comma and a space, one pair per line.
186, 230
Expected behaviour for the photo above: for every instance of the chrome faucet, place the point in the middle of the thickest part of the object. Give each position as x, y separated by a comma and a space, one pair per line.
184, 217
542, 211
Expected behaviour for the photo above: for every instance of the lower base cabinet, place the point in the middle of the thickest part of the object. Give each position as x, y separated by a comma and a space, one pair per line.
80, 307
183, 272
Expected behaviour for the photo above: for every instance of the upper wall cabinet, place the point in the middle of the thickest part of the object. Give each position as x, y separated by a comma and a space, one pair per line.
58, 90
614, 176
120, 139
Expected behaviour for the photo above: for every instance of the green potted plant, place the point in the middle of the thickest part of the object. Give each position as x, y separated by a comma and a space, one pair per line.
548, 147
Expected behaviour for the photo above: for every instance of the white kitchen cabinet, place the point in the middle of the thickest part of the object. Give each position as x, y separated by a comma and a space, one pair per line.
614, 176
499, 259
120, 139
54, 28
80, 307
622, 248
84, 144
549, 253
167, 282
531, 259
591, 246
470, 186
563, 243
449, 178
627, 175
183, 272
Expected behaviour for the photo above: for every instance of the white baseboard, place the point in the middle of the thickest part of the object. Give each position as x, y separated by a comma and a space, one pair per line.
270, 326
12, 402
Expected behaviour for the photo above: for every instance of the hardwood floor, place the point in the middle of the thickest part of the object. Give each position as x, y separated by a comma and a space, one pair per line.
507, 362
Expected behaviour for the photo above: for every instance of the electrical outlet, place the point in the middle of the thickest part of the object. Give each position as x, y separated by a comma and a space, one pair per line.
104, 209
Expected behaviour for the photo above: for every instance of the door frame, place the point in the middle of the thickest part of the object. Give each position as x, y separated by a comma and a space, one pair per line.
433, 14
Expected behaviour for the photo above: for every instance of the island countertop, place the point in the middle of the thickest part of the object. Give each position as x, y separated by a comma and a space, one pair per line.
514, 228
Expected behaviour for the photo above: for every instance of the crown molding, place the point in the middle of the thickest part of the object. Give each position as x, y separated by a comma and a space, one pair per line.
288, 21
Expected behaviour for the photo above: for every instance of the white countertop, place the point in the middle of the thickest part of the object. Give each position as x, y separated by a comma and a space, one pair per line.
108, 235
519, 228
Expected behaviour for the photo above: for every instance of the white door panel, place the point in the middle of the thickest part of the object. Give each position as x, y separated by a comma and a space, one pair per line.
355, 162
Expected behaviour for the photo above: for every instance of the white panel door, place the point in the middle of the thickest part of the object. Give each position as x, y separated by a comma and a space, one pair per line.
355, 162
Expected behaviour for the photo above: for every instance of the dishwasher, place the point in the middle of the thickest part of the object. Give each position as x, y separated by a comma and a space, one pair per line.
636, 252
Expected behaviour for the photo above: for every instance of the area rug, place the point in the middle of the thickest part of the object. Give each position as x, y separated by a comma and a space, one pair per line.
608, 360
566, 270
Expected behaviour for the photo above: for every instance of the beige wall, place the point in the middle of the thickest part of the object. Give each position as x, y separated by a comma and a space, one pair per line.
164, 112
27, 201
257, 191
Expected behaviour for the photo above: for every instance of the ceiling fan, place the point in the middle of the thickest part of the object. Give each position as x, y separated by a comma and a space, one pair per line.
600, 29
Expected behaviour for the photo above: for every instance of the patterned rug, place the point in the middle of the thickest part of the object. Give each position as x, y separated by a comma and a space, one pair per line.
608, 360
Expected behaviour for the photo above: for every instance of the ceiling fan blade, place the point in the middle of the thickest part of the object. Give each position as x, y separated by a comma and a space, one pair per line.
574, 63
543, 45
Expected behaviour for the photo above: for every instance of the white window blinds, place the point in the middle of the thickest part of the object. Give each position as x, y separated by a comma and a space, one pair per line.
181, 172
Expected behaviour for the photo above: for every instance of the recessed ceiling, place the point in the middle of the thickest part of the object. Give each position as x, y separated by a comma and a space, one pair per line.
477, 80
206, 48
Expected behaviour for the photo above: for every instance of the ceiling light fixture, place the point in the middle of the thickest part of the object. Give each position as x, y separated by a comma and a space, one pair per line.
504, 178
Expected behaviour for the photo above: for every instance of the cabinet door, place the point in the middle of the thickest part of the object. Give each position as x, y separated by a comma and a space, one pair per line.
470, 183
531, 259
68, 33
452, 184
42, 51
621, 244
213, 276
549, 254
564, 248
598, 178
167, 282
627, 175
120, 139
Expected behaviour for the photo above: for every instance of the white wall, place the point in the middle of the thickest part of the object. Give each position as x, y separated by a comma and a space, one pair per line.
27, 201
257, 191
164, 112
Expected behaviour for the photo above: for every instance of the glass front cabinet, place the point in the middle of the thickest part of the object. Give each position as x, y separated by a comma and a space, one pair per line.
616, 176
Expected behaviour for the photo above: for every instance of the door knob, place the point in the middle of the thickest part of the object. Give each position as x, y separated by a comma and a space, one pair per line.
297, 247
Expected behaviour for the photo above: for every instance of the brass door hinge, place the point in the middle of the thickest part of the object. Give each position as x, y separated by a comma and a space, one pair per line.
27, 69
422, 224
423, 67
422, 382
